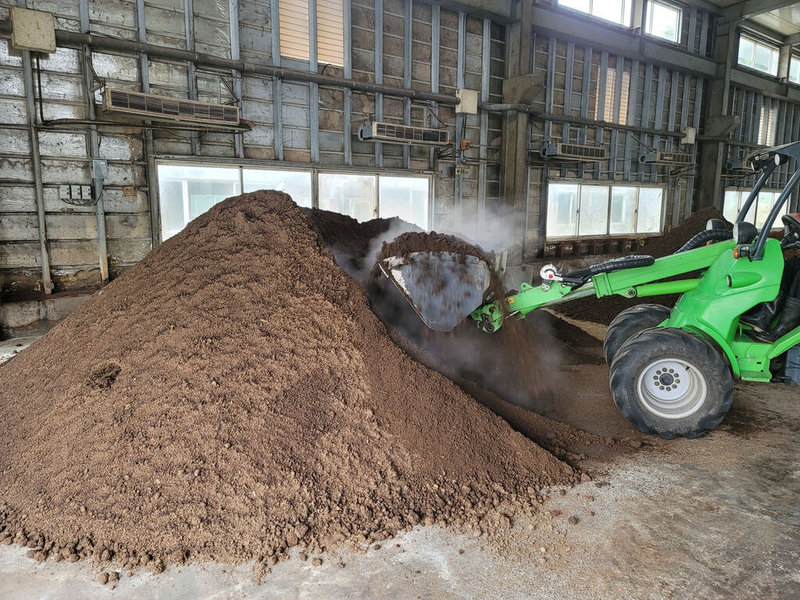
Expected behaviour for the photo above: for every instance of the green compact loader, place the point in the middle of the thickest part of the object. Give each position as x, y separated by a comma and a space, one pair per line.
671, 370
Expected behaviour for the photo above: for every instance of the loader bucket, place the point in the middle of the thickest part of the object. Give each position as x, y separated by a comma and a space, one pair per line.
442, 287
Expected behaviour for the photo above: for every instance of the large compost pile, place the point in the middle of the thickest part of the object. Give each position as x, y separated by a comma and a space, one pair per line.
233, 396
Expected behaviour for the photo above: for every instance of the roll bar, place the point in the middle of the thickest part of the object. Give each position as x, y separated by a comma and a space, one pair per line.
767, 160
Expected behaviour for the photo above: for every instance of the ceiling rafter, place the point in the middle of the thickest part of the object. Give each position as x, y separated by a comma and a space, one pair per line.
751, 8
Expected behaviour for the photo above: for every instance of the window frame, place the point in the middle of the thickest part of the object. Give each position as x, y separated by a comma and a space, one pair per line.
610, 186
743, 193
627, 6
324, 9
649, 18
757, 41
314, 172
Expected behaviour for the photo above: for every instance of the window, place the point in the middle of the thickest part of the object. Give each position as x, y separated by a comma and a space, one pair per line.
582, 210
608, 110
187, 191
758, 55
366, 197
735, 199
616, 11
766, 126
794, 70
404, 197
294, 30
352, 195
664, 21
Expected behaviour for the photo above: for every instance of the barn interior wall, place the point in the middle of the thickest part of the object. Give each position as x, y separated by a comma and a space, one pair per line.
48, 243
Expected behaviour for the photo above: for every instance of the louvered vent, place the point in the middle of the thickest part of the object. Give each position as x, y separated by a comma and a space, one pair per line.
666, 158
403, 134
165, 107
573, 152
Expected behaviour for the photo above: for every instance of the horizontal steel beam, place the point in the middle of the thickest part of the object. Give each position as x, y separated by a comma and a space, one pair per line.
72, 39
768, 86
501, 11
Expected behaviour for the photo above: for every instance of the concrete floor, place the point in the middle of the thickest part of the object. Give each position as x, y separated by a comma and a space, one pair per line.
714, 518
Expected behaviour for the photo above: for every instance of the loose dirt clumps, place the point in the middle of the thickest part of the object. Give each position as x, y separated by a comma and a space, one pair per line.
232, 396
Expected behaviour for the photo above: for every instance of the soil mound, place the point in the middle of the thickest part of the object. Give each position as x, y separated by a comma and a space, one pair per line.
233, 396
355, 244
603, 310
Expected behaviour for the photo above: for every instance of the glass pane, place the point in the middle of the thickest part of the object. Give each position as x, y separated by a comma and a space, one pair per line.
664, 21
745, 52
200, 189
732, 205
404, 197
648, 219
762, 58
593, 210
611, 10
352, 195
794, 70
764, 204
170, 193
582, 5
295, 183
623, 204
562, 210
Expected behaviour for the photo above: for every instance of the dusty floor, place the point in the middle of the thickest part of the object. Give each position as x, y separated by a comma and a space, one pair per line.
717, 517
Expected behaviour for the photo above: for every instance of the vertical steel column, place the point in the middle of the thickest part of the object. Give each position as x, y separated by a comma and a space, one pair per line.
277, 84
93, 148
692, 32
738, 101
586, 80
616, 110
233, 20
673, 106
568, 77
602, 80
458, 180
631, 118
313, 88
756, 122
659, 116
191, 72
347, 72
704, 34
435, 32
486, 66
30, 107
152, 177
548, 132
698, 104
408, 13
645, 116
378, 75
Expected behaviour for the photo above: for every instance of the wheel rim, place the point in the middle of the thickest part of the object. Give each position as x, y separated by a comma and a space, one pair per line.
672, 388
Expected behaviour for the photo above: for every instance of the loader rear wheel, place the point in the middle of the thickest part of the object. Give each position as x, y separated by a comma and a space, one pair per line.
672, 383
630, 322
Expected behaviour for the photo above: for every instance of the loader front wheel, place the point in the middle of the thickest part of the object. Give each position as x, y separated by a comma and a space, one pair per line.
630, 322
672, 383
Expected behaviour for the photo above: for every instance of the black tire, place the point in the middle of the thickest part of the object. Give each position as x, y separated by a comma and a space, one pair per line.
691, 387
630, 322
